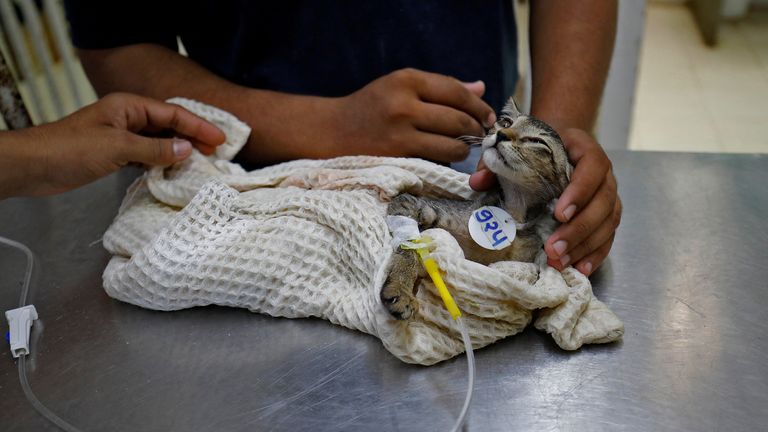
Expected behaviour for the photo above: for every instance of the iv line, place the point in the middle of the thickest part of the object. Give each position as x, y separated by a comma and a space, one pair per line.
23, 380
420, 246
422, 251
471, 373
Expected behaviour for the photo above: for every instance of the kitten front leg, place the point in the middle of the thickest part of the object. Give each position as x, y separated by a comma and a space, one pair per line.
416, 208
398, 294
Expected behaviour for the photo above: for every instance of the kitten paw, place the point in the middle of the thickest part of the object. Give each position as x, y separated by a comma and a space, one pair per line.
414, 208
398, 294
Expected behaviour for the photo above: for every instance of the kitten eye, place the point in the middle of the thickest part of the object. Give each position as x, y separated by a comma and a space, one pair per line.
504, 123
536, 140
536, 143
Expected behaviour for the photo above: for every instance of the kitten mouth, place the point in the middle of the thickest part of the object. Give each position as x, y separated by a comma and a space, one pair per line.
493, 159
498, 163
489, 142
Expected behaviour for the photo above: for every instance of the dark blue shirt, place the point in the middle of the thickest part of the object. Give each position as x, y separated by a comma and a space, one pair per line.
318, 47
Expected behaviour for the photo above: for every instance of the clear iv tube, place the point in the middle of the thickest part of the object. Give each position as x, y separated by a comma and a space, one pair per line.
471, 375
42, 409
28, 273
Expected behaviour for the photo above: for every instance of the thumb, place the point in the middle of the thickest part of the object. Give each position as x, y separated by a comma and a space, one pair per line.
158, 151
477, 88
483, 178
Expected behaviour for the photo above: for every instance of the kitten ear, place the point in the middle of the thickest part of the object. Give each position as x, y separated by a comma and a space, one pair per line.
564, 168
510, 108
564, 176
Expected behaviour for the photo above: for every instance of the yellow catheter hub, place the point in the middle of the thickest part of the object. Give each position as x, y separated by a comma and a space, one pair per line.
433, 270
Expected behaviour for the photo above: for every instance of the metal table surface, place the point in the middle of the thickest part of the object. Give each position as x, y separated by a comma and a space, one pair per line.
688, 275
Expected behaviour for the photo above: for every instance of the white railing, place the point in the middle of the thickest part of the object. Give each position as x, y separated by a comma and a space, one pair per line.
37, 47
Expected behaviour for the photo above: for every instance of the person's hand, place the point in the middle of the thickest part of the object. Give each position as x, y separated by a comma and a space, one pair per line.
100, 138
589, 208
412, 113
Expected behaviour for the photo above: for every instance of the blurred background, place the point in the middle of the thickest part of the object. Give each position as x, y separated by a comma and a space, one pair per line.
702, 79
686, 75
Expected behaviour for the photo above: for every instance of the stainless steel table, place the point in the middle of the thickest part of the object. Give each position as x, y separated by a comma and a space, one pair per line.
688, 274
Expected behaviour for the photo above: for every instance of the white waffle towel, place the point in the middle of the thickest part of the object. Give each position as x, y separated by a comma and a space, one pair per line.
309, 238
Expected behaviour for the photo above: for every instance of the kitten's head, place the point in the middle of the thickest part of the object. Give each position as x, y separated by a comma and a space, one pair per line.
527, 153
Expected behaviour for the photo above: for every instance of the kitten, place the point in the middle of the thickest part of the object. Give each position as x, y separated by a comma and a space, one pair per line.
532, 168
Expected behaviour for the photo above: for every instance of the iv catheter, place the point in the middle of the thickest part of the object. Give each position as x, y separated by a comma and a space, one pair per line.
430, 265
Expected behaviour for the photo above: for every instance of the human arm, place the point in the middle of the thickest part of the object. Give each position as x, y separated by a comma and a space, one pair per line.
405, 113
571, 47
96, 141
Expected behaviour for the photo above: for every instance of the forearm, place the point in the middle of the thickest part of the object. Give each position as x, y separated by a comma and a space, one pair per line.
19, 169
155, 71
571, 48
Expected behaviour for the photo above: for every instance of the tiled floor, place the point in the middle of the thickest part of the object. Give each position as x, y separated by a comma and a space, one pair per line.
694, 98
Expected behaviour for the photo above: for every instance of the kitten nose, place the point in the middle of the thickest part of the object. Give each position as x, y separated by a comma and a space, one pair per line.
501, 136
508, 134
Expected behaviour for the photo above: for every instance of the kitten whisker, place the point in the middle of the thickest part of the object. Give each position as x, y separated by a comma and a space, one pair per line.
471, 140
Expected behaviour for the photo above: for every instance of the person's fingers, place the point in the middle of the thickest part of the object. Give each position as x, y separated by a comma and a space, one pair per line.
555, 263
205, 149
183, 122
477, 88
583, 225
592, 168
589, 263
444, 90
145, 114
594, 241
482, 180
444, 120
438, 148
153, 151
